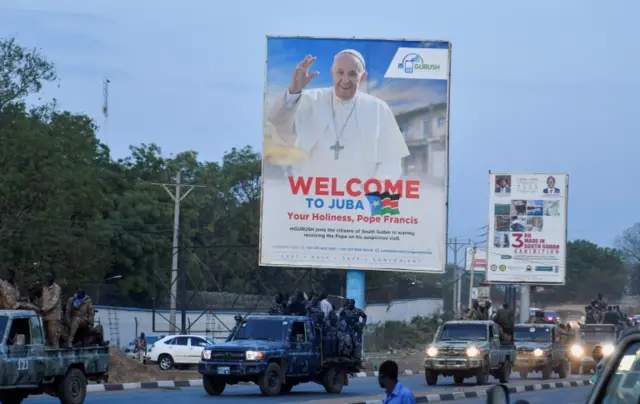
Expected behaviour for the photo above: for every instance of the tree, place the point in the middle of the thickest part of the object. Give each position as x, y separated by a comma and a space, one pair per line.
629, 242
591, 270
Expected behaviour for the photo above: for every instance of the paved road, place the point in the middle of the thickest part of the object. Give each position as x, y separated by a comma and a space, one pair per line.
248, 394
576, 395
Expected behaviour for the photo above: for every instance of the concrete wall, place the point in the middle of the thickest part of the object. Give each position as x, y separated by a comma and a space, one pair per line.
131, 321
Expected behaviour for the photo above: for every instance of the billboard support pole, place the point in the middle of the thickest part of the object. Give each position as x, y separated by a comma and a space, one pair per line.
356, 291
525, 296
473, 257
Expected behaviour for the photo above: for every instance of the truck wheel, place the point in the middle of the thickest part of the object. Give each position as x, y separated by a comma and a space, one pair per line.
333, 381
270, 383
524, 374
165, 362
73, 387
575, 368
431, 377
213, 386
563, 369
482, 375
547, 371
505, 372
457, 379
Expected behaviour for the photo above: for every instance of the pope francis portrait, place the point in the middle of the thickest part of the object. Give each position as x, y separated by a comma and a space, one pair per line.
339, 131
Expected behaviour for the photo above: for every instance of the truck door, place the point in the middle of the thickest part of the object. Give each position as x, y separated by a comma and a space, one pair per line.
21, 354
494, 343
300, 350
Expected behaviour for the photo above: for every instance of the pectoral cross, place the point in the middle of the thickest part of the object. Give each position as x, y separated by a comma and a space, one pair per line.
337, 147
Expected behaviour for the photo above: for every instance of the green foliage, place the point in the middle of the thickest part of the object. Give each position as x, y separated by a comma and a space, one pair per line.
68, 206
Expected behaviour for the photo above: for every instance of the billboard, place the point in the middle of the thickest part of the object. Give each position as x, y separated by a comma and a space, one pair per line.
478, 261
355, 154
527, 228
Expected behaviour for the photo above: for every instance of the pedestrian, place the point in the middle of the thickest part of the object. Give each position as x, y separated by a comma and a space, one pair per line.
51, 309
140, 350
396, 392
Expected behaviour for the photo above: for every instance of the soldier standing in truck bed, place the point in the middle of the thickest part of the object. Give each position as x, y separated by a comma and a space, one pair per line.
52, 309
10, 297
79, 314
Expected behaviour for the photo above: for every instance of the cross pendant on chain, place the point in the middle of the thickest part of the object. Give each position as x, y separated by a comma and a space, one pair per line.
337, 147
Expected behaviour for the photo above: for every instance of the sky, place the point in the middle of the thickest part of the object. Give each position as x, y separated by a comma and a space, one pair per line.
284, 54
537, 86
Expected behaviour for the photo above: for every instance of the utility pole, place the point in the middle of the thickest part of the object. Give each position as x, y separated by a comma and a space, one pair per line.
105, 109
177, 197
473, 257
456, 246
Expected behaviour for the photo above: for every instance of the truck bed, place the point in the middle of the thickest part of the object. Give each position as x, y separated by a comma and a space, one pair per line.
93, 359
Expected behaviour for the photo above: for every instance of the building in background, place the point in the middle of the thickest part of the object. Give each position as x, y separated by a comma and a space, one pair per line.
425, 131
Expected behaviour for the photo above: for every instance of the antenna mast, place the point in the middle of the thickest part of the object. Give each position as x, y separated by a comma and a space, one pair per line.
105, 110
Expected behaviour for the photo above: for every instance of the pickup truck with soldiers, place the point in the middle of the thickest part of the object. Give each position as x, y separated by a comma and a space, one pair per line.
50, 349
302, 339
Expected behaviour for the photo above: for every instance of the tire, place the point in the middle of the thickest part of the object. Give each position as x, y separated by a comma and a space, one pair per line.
524, 374
213, 386
73, 387
458, 379
270, 382
482, 375
333, 381
431, 377
547, 371
505, 372
286, 388
563, 369
165, 362
575, 368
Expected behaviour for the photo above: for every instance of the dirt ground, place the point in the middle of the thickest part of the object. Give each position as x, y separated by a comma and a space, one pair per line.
124, 369
407, 359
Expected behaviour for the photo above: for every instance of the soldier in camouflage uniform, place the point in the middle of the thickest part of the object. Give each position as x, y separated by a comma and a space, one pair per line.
352, 315
79, 315
51, 309
277, 305
330, 332
10, 297
345, 338
315, 312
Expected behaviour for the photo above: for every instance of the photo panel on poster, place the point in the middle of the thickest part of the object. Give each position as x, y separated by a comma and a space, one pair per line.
355, 165
529, 244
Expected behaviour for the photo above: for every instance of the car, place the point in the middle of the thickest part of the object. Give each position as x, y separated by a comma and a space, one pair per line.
276, 353
551, 316
31, 368
468, 348
178, 350
540, 348
616, 383
151, 339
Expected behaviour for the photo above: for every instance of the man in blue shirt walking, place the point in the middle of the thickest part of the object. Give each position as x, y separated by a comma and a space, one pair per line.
396, 392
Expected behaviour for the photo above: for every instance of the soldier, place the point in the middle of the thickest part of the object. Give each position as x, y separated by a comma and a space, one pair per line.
35, 294
472, 313
352, 315
79, 315
298, 305
277, 306
331, 331
345, 338
538, 317
10, 297
140, 350
51, 309
505, 318
314, 311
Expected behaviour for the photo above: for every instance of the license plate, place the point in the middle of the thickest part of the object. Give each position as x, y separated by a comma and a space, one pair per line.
224, 370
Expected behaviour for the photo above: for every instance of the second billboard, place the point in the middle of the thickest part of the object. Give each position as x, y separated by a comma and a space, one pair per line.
355, 151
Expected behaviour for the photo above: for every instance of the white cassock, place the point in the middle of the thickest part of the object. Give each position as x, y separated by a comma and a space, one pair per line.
372, 145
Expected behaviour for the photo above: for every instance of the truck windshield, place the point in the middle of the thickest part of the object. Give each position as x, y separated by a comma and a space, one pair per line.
3, 325
268, 330
466, 332
532, 334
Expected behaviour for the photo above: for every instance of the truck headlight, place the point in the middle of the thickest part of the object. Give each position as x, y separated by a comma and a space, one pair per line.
577, 350
206, 355
538, 352
431, 351
254, 355
473, 351
608, 349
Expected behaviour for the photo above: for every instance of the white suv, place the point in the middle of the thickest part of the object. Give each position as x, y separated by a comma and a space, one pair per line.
175, 350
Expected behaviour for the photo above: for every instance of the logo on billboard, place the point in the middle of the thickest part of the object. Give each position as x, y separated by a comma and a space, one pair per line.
383, 204
413, 62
